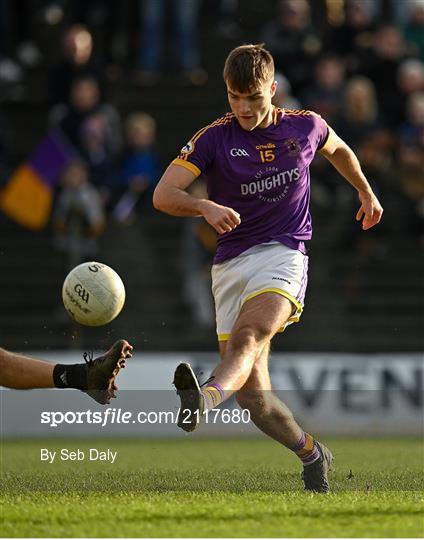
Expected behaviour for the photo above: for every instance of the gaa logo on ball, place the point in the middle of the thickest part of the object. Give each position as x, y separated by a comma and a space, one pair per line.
93, 294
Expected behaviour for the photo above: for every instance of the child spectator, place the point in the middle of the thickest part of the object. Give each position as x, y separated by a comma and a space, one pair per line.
78, 216
140, 170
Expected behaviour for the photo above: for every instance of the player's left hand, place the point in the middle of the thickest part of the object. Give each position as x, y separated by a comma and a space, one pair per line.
371, 210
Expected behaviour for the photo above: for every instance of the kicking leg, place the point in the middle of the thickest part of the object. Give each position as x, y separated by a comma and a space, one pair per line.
259, 319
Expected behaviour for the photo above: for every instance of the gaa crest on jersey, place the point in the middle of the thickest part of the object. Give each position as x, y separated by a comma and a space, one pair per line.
187, 148
293, 146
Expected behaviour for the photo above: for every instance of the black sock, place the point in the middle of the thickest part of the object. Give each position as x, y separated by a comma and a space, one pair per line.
70, 376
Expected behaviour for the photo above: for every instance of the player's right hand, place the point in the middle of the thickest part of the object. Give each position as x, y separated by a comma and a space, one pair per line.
222, 218
370, 211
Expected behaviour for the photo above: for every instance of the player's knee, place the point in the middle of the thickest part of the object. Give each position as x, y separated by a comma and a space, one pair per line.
250, 336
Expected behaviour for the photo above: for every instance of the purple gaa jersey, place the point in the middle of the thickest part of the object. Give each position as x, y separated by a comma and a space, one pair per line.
262, 174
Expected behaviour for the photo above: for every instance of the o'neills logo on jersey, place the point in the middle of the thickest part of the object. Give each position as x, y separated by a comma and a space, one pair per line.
187, 148
267, 146
271, 182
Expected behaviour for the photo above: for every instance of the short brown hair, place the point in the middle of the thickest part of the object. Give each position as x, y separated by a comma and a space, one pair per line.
247, 67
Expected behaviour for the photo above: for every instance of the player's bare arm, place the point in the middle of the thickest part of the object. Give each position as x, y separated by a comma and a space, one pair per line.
171, 197
342, 157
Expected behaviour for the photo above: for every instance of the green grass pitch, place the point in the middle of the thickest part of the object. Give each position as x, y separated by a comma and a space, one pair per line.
200, 487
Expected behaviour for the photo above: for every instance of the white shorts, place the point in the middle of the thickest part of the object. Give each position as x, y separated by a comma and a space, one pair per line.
263, 268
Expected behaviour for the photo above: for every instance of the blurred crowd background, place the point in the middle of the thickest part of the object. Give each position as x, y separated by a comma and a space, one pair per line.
118, 87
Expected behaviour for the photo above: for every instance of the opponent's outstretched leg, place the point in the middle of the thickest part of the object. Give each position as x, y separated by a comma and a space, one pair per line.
96, 377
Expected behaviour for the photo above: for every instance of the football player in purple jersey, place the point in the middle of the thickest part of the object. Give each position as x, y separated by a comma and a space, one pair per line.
256, 164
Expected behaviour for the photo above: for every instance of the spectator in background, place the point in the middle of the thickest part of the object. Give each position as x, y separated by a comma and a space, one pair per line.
356, 118
411, 163
414, 28
353, 39
282, 97
382, 66
198, 248
412, 132
293, 42
185, 48
410, 80
78, 215
325, 94
10, 70
93, 128
360, 125
17, 39
228, 20
107, 20
359, 116
77, 62
411, 76
140, 169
